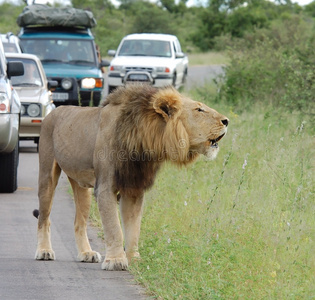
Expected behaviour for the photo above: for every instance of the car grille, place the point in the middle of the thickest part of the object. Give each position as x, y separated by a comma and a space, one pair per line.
139, 69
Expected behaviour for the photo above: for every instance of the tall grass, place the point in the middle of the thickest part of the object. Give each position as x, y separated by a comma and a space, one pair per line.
240, 227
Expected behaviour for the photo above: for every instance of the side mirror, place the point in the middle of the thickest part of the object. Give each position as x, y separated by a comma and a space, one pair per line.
179, 55
15, 68
111, 52
52, 84
104, 63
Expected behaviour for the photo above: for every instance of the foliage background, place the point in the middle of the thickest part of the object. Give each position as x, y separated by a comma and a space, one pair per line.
197, 27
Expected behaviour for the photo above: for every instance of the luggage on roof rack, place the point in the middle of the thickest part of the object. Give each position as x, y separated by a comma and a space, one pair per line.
44, 15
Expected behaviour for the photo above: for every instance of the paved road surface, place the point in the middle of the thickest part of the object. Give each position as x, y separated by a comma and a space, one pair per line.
197, 76
202, 75
21, 277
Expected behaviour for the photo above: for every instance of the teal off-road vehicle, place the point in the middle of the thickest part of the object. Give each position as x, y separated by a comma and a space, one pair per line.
62, 39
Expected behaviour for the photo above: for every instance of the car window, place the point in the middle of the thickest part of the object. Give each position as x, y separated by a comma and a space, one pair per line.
145, 48
31, 75
66, 51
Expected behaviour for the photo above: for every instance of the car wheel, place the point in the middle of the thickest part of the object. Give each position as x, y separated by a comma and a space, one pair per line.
174, 80
184, 76
8, 171
111, 88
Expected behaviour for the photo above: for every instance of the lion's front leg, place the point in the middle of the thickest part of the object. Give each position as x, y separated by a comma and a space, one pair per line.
131, 204
115, 258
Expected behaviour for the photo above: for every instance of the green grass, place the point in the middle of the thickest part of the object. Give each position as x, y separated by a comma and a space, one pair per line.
239, 227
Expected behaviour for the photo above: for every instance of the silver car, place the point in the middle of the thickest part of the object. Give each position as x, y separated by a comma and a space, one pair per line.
9, 124
33, 89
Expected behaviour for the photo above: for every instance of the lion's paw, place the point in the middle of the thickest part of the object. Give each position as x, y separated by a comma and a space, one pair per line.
91, 257
45, 254
133, 256
115, 264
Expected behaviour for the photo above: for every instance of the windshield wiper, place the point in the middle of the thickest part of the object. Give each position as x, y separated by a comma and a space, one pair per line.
51, 60
80, 62
26, 84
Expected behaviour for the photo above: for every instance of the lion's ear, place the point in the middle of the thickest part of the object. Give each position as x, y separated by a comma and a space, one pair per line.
167, 103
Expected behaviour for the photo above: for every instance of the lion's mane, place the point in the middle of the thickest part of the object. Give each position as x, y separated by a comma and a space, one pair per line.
149, 131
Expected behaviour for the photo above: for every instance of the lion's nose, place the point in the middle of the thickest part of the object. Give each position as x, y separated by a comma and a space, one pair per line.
225, 122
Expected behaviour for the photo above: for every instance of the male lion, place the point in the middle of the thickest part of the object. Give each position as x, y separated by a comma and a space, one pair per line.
117, 149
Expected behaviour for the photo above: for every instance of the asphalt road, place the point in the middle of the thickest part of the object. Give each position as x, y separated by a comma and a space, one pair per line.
197, 76
202, 75
22, 277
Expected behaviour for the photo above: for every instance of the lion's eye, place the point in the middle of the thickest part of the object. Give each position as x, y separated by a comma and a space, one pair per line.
200, 109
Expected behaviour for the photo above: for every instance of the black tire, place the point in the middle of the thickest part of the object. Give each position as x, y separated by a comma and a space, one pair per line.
185, 76
174, 80
111, 88
8, 171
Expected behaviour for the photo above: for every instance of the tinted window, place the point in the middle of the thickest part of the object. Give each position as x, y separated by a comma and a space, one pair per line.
31, 75
145, 48
66, 51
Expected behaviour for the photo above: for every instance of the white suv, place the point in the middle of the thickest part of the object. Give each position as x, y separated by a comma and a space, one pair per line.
148, 57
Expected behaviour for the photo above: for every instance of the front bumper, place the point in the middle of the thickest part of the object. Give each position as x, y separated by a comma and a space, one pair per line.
30, 127
115, 79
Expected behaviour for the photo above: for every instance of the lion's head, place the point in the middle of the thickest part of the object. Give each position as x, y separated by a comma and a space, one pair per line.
157, 125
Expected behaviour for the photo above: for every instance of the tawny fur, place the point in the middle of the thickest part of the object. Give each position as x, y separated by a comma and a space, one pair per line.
118, 149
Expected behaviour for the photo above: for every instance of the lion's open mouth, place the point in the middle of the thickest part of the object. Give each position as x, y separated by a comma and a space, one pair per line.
214, 143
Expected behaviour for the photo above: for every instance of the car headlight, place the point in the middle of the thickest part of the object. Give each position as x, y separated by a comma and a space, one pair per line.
66, 83
33, 110
115, 68
162, 70
4, 103
88, 83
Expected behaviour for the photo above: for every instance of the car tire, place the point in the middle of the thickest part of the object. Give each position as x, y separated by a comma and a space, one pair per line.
174, 80
8, 171
185, 76
111, 88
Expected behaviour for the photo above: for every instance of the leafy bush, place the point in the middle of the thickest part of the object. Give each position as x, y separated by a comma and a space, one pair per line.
276, 67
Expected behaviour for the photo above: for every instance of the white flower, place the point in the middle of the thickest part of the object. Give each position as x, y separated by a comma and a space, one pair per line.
148, 267
244, 164
185, 203
169, 240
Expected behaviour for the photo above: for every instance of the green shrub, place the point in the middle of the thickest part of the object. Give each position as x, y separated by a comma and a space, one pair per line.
276, 68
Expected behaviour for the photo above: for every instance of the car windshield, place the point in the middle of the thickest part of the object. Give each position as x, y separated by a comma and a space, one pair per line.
31, 75
145, 48
64, 51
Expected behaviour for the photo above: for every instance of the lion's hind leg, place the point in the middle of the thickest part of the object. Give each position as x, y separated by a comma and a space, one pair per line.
82, 198
48, 179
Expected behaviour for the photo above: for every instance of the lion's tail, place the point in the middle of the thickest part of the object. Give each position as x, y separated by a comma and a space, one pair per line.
36, 213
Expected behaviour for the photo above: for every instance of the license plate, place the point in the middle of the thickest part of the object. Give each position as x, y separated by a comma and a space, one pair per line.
60, 96
139, 77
